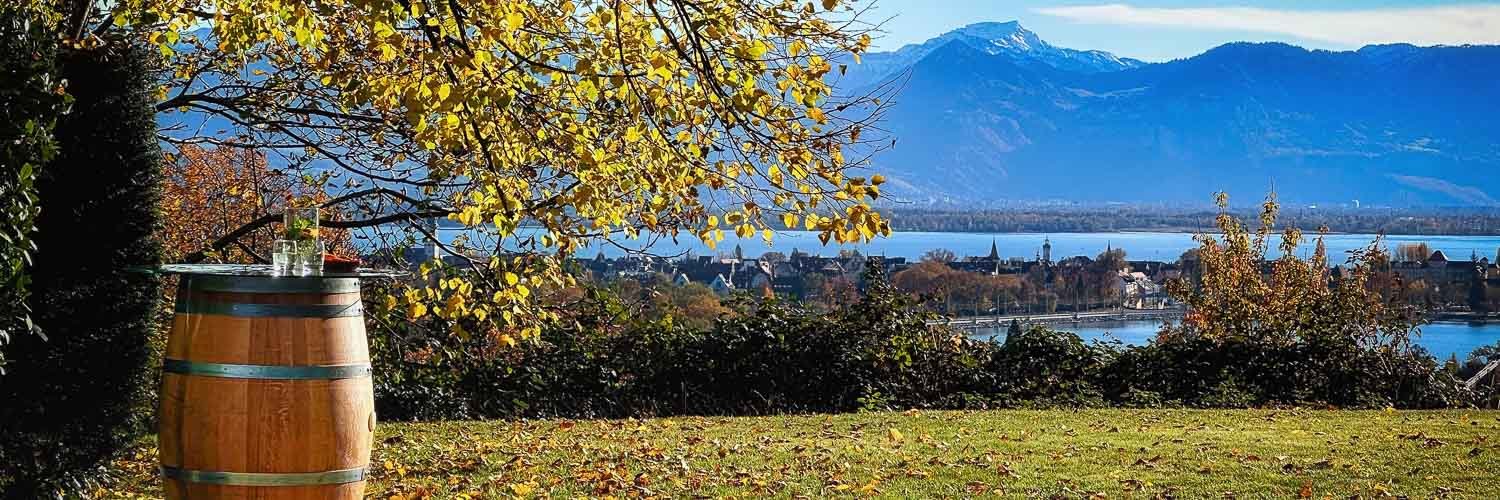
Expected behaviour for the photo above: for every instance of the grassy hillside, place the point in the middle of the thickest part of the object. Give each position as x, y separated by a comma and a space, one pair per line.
1117, 453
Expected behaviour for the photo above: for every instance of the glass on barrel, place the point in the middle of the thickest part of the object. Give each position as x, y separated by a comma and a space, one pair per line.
300, 251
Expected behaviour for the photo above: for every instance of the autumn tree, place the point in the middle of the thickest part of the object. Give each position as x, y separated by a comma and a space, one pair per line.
1112, 260
960, 291
925, 277
834, 292
941, 255
1244, 297
209, 192
692, 305
1413, 252
594, 120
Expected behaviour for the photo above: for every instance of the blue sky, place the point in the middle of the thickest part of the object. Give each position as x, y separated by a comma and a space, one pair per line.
1158, 30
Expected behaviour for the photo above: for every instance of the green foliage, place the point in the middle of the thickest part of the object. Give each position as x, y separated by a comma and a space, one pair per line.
1043, 367
73, 399
875, 354
31, 99
1237, 373
771, 357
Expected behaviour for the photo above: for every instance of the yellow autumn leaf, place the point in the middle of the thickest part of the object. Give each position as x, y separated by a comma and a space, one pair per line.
817, 115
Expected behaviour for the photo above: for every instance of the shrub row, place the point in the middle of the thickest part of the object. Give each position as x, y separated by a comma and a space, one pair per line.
878, 353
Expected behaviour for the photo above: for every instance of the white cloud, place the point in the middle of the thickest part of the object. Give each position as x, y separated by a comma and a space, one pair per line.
1441, 25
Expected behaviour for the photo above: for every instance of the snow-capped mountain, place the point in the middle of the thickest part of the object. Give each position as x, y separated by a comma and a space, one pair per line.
1006, 39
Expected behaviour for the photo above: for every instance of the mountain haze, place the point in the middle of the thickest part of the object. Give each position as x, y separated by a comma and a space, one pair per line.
992, 112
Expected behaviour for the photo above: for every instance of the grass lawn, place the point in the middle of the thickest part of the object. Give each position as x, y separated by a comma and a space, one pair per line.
1111, 453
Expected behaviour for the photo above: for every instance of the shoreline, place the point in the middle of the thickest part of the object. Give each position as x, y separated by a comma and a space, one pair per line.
1465, 317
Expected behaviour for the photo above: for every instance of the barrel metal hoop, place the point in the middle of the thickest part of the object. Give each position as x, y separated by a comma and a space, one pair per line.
189, 306
264, 478
270, 284
270, 372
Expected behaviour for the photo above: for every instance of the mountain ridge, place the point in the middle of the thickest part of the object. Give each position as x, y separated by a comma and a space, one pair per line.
1388, 124
994, 38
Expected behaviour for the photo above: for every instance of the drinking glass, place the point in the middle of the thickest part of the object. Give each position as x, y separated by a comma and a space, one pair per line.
283, 254
309, 257
301, 223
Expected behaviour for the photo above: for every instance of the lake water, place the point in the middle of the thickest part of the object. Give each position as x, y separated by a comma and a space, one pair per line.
1137, 245
1442, 339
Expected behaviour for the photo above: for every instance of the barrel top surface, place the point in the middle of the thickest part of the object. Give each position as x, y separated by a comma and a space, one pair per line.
264, 271
257, 278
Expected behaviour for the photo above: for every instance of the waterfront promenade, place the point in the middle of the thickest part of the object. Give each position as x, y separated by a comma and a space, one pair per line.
1001, 321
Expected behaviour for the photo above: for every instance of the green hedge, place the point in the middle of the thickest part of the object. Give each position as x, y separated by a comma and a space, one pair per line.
73, 399
30, 102
879, 353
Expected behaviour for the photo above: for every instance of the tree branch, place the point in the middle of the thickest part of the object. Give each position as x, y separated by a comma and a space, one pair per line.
424, 210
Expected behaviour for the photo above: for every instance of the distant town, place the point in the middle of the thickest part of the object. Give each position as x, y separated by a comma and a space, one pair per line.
993, 285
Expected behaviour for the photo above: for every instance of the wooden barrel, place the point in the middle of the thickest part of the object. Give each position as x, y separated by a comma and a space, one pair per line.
266, 389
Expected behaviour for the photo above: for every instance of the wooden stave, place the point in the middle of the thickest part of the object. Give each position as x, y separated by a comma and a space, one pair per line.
224, 406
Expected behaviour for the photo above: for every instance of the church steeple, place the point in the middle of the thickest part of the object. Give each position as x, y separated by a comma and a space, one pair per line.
994, 250
1047, 250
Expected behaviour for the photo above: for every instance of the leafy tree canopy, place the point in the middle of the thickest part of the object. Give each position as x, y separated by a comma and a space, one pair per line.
592, 120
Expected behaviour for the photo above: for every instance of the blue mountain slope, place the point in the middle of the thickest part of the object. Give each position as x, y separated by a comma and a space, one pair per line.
1008, 40
1392, 124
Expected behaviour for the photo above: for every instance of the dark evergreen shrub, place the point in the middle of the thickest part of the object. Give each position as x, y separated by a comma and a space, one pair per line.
31, 99
72, 400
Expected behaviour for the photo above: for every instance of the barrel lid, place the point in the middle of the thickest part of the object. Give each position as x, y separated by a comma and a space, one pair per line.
257, 278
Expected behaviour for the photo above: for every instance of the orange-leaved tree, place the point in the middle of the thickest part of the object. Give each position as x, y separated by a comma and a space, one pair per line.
209, 193
1243, 296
